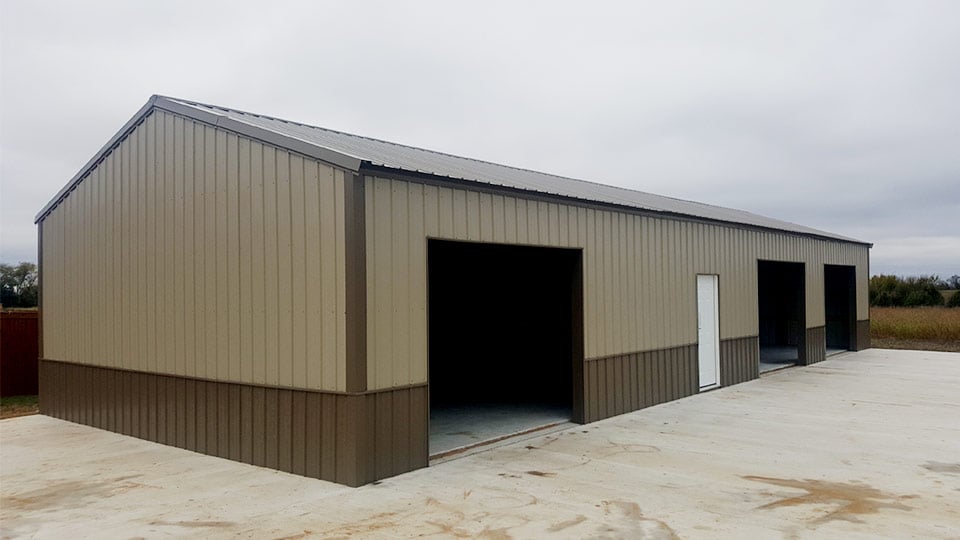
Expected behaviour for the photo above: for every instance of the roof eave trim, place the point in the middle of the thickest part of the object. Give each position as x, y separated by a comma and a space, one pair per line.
407, 175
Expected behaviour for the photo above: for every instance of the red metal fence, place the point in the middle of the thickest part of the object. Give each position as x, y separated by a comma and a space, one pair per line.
19, 352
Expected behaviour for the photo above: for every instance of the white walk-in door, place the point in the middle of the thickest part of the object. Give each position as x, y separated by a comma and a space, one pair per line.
708, 331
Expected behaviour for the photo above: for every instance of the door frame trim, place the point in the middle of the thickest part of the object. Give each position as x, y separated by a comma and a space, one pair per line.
716, 314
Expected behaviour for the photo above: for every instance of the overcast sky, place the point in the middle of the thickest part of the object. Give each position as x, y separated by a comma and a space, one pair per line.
844, 116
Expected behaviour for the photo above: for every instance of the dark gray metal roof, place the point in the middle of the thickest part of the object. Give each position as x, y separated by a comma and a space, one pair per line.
353, 152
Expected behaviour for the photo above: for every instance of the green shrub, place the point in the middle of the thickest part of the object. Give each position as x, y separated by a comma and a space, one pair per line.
883, 290
954, 300
888, 291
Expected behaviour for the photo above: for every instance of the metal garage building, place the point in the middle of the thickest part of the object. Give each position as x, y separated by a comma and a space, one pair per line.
344, 308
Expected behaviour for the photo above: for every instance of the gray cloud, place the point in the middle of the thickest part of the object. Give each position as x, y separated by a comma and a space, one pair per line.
837, 115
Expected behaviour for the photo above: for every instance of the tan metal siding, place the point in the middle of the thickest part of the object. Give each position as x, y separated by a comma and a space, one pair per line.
639, 271
191, 251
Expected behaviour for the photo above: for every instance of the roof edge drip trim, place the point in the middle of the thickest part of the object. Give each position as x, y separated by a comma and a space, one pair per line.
95, 160
293, 144
233, 121
405, 175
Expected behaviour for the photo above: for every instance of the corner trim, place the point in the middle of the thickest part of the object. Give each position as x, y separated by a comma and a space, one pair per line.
355, 242
39, 290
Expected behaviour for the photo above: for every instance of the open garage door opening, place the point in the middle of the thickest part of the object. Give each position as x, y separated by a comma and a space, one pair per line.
782, 314
506, 342
839, 287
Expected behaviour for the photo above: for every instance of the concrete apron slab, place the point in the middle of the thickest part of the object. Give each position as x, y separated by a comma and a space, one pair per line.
863, 445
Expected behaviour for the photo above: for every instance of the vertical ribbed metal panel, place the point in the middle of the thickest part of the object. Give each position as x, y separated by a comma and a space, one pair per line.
739, 360
191, 251
814, 346
352, 439
639, 271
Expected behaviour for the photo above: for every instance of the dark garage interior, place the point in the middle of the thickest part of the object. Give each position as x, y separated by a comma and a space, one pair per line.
839, 287
782, 314
503, 346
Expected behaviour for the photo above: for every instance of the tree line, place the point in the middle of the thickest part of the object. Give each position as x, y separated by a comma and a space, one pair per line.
913, 291
18, 285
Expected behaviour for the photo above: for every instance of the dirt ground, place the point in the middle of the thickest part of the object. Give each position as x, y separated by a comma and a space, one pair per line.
863, 445
915, 344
